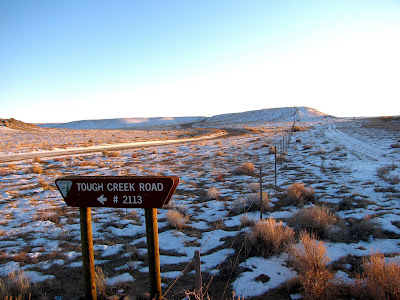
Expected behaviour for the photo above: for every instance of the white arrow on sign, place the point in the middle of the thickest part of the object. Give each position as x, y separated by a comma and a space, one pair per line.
102, 199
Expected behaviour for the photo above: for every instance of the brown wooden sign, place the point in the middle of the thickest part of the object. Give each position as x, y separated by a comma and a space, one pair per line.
117, 191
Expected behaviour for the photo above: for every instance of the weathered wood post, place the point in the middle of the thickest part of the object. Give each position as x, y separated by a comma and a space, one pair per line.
153, 253
89, 274
261, 194
275, 166
197, 266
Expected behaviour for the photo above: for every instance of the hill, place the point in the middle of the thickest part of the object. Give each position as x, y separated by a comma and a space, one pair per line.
272, 117
16, 124
126, 123
265, 117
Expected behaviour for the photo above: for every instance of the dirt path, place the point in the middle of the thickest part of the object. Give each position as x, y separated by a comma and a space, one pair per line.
116, 147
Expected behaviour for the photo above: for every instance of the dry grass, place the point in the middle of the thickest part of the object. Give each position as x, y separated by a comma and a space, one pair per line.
380, 279
213, 193
316, 219
36, 169
101, 285
15, 286
299, 194
246, 168
270, 237
111, 153
311, 262
47, 215
37, 160
177, 219
43, 184
385, 172
251, 203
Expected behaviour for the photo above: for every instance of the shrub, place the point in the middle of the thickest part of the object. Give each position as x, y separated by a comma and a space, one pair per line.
37, 160
219, 178
311, 262
43, 183
36, 169
280, 158
213, 193
272, 150
385, 172
307, 147
245, 169
380, 279
270, 237
47, 215
254, 187
396, 145
298, 193
101, 282
15, 286
251, 203
317, 220
176, 219
363, 229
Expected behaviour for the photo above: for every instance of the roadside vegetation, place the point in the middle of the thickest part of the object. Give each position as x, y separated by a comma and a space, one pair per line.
324, 231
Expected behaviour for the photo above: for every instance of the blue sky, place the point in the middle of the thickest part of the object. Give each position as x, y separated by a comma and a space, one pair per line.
71, 60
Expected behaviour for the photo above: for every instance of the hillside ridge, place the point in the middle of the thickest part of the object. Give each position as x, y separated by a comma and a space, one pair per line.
272, 116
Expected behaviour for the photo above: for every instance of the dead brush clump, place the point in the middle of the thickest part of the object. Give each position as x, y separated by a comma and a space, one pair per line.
317, 220
107, 153
177, 219
4, 171
386, 173
37, 160
102, 287
36, 169
311, 262
363, 229
44, 184
15, 286
380, 279
246, 168
251, 202
269, 237
47, 215
213, 193
299, 194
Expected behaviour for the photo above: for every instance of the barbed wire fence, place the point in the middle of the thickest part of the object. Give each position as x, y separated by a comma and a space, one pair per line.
281, 146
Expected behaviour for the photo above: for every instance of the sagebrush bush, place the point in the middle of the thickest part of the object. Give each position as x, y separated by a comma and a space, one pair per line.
380, 279
15, 286
176, 219
246, 168
298, 193
37, 159
254, 187
311, 262
271, 150
363, 229
101, 284
36, 169
270, 237
315, 219
251, 203
44, 184
213, 193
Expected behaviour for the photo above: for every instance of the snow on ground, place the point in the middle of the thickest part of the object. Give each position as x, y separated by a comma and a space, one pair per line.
39, 232
125, 123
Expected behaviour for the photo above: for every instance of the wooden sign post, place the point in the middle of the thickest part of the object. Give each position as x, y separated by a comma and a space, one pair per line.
89, 274
145, 192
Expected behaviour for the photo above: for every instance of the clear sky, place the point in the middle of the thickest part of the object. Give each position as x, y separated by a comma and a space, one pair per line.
72, 60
